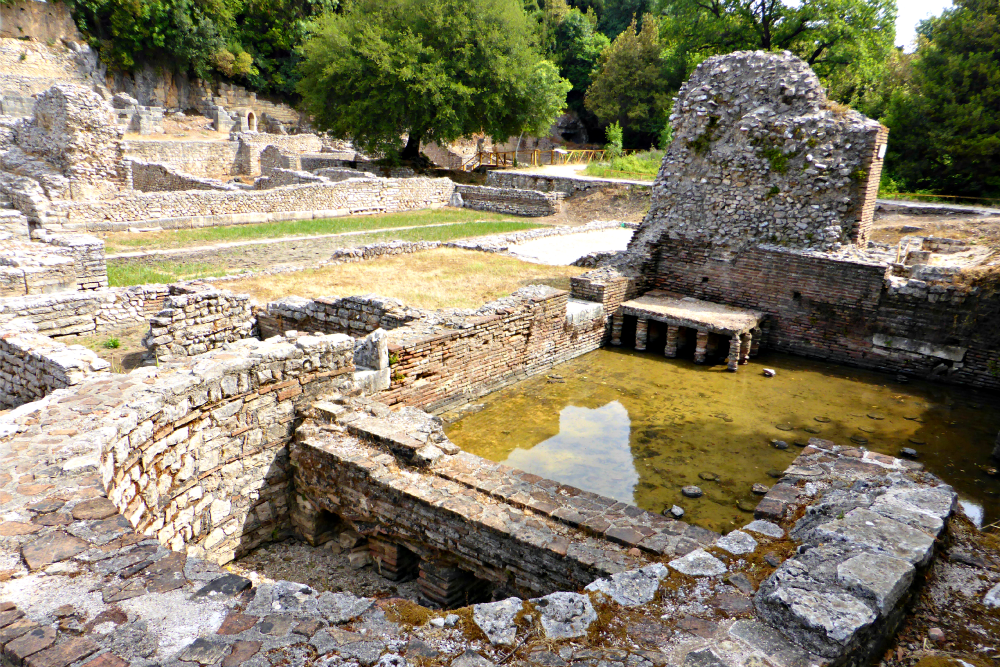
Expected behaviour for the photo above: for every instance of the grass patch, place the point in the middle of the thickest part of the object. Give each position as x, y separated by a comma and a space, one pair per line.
441, 278
637, 166
180, 238
123, 274
449, 233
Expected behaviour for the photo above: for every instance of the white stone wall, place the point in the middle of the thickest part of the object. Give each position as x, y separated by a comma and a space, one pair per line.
74, 313
33, 366
203, 209
191, 324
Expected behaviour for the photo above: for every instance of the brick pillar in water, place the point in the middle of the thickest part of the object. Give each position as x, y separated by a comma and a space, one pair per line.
701, 347
641, 333
734, 353
670, 349
616, 329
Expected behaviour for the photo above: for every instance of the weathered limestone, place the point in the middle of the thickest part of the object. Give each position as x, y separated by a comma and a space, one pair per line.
198, 321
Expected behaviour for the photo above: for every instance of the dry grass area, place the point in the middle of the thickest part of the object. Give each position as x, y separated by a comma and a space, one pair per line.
980, 230
442, 278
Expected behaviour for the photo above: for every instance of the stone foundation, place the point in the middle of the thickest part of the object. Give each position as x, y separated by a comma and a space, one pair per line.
529, 203
194, 322
74, 313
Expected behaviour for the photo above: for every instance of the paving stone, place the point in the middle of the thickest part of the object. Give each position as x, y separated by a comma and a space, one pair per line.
204, 651
546, 659
240, 653
893, 507
731, 602
737, 543
826, 622
416, 648
741, 582
992, 597
771, 643
52, 548
565, 615
699, 563
496, 620
700, 627
29, 643
47, 505
471, 659
133, 641
53, 519
308, 627
8, 616
276, 624
228, 585
866, 528
765, 528
105, 660
882, 578
632, 588
64, 653
705, 657
15, 528
342, 607
94, 509
19, 626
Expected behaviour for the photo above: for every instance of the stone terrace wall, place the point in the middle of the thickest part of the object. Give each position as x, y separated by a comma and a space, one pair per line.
530, 203
832, 309
191, 324
252, 144
198, 456
33, 366
74, 313
203, 159
152, 177
88, 252
203, 209
517, 180
357, 316
504, 341
58, 263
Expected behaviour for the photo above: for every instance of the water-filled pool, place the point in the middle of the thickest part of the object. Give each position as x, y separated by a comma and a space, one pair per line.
638, 427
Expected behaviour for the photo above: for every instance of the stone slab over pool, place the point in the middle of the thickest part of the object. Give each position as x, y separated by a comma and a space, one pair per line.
704, 317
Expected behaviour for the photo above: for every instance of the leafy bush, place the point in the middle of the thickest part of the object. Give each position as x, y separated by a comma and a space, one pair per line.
614, 135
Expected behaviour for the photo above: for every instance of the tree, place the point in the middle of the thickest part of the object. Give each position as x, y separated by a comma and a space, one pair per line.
634, 84
846, 42
432, 69
617, 15
945, 123
576, 48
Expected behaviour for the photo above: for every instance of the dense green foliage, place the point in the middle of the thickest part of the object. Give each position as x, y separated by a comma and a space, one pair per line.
944, 112
433, 69
253, 42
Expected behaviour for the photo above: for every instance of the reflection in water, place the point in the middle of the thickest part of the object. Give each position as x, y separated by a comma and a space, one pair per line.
591, 448
638, 427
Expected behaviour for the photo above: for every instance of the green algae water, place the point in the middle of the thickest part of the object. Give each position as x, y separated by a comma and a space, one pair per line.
637, 427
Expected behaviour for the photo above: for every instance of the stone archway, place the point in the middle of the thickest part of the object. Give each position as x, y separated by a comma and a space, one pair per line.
251, 121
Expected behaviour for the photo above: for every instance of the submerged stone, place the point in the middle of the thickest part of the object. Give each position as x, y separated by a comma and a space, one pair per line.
692, 491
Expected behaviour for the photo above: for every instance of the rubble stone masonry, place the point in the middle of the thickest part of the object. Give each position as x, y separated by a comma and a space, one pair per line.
197, 322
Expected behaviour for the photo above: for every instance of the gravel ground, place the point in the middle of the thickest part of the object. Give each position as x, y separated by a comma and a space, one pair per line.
564, 250
325, 568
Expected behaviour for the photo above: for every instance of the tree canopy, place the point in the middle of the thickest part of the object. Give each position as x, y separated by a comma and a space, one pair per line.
432, 69
944, 119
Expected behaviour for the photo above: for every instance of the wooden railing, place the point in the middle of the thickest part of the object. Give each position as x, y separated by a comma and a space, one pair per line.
535, 158
984, 201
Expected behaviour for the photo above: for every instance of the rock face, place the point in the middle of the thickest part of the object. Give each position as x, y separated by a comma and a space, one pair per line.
761, 156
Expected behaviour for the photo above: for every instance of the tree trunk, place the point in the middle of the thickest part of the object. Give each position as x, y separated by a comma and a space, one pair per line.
412, 150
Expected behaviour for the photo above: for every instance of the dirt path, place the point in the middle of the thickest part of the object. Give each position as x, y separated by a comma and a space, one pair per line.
983, 230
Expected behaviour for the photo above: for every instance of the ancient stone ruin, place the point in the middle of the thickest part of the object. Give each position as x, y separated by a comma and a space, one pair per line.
124, 496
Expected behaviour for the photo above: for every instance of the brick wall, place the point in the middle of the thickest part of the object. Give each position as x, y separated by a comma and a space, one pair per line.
503, 342
831, 309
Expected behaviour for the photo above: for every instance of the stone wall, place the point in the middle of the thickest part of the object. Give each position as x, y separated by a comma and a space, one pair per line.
846, 311
530, 203
33, 366
194, 323
74, 130
760, 156
172, 210
153, 177
200, 461
87, 252
357, 316
253, 143
58, 263
203, 159
504, 341
75, 313
566, 184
